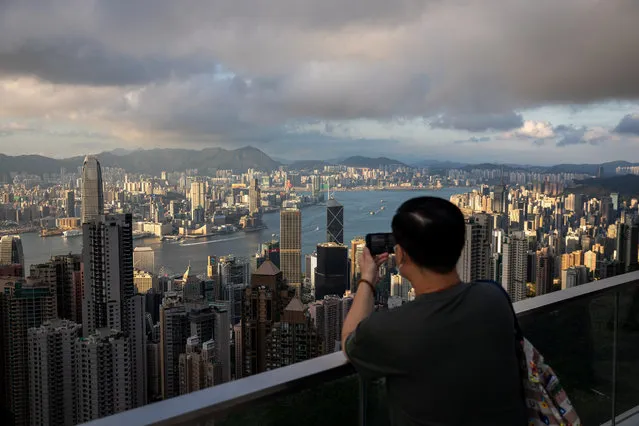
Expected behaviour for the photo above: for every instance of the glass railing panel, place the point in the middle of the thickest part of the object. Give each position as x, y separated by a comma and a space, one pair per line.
576, 340
333, 402
627, 383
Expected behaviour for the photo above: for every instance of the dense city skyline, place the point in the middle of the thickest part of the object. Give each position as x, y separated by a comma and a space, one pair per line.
457, 80
146, 333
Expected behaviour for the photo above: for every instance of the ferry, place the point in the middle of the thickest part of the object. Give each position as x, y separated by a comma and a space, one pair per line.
50, 232
72, 233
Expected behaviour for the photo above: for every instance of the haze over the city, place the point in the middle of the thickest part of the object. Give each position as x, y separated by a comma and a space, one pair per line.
536, 82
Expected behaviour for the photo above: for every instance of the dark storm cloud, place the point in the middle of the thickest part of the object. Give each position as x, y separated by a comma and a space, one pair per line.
88, 62
629, 124
478, 122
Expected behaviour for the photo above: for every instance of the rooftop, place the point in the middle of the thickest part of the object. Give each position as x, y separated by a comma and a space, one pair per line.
267, 268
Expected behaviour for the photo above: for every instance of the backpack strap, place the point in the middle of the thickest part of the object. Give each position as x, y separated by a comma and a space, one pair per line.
518, 333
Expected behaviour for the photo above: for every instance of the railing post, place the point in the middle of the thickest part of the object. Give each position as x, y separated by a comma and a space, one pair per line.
615, 329
363, 398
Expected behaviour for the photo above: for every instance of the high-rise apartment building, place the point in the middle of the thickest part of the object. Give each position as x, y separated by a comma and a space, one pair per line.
293, 339
198, 367
68, 285
113, 316
23, 305
92, 189
255, 197
52, 378
400, 287
545, 267
69, 203
198, 197
174, 330
144, 259
291, 246
108, 272
328, 316
591, 260
233, 279
11, 252
334, 222
627, 243
331, 273
221, 336
262, 306
103, 374
515, 249
473, 264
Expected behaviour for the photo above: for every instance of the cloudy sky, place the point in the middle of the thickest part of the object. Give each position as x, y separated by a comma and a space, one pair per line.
527, 81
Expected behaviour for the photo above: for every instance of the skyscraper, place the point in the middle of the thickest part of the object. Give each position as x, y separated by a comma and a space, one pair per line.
515, 249
113, 319
357, 247
92, 189
331, 273
262, 306
254, 197
334, 222
198, 197
473, 263
11, 252
144, 259
291, 246
328, 316
108, 272
69, 203
544, 274
23, 305
233, 278
103, 374
174, 330
52, 378
292, 339
67, 271
221, 335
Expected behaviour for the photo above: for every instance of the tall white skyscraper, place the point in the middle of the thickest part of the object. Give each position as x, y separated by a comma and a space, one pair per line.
52, 378
92, 189
198, 196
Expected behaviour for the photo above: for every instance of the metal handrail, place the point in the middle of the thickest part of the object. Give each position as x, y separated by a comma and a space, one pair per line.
233, 396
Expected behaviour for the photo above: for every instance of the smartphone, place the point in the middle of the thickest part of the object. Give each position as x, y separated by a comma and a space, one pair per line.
379, 243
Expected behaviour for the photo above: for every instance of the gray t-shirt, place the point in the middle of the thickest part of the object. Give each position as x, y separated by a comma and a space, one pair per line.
449, 358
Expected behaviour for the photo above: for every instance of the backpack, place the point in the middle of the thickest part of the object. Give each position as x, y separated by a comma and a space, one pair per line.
546, 400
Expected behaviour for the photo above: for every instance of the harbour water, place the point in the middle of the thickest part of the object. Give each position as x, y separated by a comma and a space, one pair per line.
176, 256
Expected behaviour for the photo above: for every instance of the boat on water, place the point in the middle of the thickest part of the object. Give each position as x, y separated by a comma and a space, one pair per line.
317, 228
51, 232
72, 233
382, 208
371, 213
255, 228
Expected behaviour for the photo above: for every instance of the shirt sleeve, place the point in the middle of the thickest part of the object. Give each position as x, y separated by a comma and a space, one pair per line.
372, 349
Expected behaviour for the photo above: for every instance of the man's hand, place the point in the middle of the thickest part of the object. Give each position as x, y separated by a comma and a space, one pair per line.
369, 265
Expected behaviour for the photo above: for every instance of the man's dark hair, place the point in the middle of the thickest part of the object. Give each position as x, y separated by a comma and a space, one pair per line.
431, 231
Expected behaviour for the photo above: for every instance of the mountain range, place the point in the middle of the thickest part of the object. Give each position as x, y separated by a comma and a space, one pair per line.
154, 161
